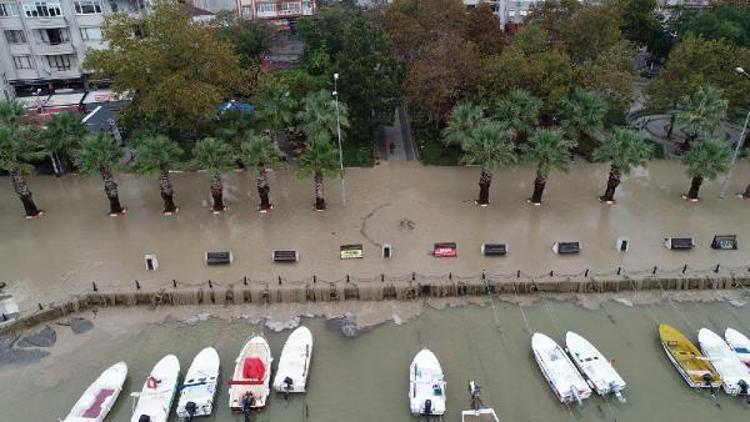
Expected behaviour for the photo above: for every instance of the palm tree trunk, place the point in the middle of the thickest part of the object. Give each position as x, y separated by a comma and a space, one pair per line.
539, 183
485, 179
57, 165
689, 141
263, 189
110, 189
217, 193
167, 194
320, 202
695, 186
612, 183
672, 118
24, 194
746, 195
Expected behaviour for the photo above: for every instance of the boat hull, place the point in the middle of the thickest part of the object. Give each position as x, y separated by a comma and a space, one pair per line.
687, 359
155, 399
600, 373
241, 386
199, 387
739, 343
733, 372
97, 401
294, 362
558, 370
426, 385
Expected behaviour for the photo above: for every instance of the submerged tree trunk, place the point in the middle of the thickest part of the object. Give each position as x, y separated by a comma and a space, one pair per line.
217, 193
110, 189
672, 118
695, 186
485, 179
746, 195
167, 194
263, 189
612, 183
320, 202
24, 194
539, 183
57, 165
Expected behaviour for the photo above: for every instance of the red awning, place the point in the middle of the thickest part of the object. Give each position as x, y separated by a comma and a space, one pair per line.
254, 370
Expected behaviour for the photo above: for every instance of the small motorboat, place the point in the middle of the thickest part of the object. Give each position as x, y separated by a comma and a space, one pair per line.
739, 343
294, 363
250, 384
600, 373
97, 400
733, 372
155, 399
426, 385
561, 374
478, 412
198, 391
690, 363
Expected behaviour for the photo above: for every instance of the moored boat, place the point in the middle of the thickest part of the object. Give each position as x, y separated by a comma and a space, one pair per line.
478, 412
561, 374
426, 385
198, 392
98, 399
739, 343
249, 386
690, 363
294, 363
600, 373
734, 374
155, 399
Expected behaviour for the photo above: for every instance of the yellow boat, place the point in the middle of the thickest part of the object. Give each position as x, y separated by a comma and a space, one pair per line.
694, 368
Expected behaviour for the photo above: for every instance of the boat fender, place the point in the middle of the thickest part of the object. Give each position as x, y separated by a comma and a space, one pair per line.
191, 408
144, 418
151, 382
428, 407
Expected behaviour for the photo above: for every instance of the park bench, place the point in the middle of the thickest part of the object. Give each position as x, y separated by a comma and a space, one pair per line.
679, 243
218, 258
353, 251
494, 249
724, 242
566, 248
445, 250
285, 256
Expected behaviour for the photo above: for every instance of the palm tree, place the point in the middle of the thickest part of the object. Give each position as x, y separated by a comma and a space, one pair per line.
99, 154
701, 113
216, 157
259, 152
521, 110
582, 112
275, 107
62, 135
463, 120
16, 150
625, 150
11, 112
705, 160
318, 113
159, 154
319, 159
232, 126
551, 151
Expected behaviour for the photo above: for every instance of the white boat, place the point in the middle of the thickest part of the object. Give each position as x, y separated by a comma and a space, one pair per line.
739, 343
198, 391
155, 399
294, 363
426, 385
97, 400
561, 374
478, 412
249, 386
734, 373
600, 373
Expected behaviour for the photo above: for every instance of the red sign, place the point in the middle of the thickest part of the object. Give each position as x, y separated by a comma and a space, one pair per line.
445, 251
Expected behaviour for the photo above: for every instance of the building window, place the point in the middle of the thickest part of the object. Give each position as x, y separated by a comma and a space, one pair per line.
290, 7
247, 11
91, 34
54, 36
42, 9
15, 37
22, 62
8, 9
88, 7
266, 8
307, 5
61, 62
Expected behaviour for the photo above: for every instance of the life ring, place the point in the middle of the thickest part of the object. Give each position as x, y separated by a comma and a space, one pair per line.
151, 382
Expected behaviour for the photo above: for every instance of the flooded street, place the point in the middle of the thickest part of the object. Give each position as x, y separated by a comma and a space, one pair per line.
365, 378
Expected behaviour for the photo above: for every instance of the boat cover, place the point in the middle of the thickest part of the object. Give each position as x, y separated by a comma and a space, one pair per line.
254, 370
95, 409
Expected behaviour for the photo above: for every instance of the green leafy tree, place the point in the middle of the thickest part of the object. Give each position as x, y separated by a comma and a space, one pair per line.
318, 113
318, 159
251, 39
260, 153
592, 30
159, 154
61, 136
551, 151
520, 110
17, 148
701, 114
642, 25
99, 154
626, 150
729, 23
11, 112
582, 112
705, 161
215, 157
232, 126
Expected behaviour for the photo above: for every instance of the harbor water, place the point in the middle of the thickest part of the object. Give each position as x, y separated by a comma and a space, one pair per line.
364, 378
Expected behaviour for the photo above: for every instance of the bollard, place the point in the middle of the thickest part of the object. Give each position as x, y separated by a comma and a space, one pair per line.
450, 276
279, 280
586, 274
483, 275
315, 279
619, 270
552, 273
654, 271
210, 284
137, 285
40, 306
518, 274
174, 283
5, 317
716, 270
244, 280
382, 277
93, 285
684, 269
413, 276
347, 278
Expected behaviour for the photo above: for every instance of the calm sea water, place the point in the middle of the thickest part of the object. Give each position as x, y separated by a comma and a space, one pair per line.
365, 378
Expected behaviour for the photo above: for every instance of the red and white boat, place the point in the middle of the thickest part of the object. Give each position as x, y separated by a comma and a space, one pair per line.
97, 400
250, 385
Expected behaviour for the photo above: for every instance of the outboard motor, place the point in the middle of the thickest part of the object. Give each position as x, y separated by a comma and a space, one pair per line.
288, 382
247, 405
474, 393
617, 392
576, 396
144, 418
191, 408
428, 407
743, 389
707, 378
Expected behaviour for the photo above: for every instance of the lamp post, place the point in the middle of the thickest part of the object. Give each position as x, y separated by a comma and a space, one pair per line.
740, 142
338, 132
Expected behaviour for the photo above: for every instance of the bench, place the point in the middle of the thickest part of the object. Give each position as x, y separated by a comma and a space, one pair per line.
494, 249
724, 242
285, 256
566, 248
445, 250
679, 243
353, 251
219, 258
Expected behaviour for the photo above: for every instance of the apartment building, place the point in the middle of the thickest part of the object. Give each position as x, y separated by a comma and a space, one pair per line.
277, 10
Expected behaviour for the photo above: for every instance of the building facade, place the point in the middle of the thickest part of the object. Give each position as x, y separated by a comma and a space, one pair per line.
275, 9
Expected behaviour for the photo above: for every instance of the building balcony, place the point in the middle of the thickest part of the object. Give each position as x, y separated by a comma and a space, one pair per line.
19, 49
47, 22
45, 49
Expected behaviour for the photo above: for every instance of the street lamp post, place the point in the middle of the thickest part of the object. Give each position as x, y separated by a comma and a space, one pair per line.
737, 149
338, 132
